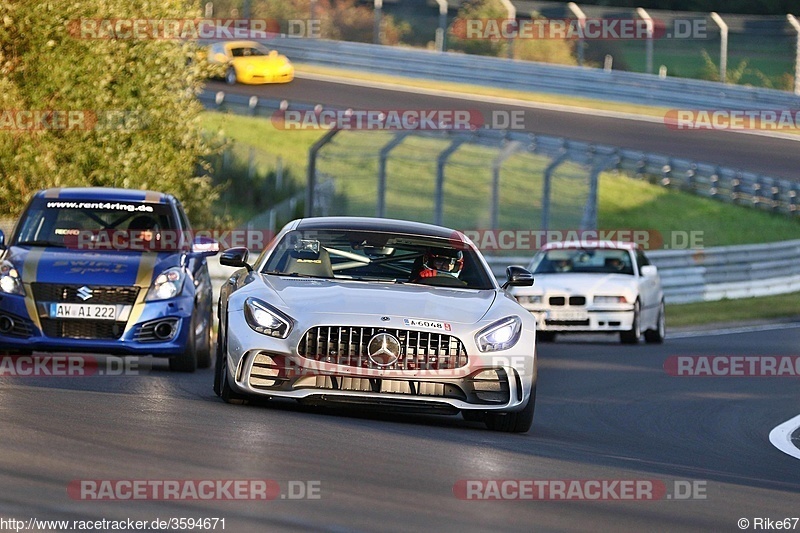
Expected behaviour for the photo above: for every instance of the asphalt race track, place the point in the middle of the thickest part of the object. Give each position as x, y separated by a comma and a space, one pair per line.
604, 412
770, 156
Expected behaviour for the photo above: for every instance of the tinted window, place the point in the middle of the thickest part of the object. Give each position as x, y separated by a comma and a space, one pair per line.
375, 256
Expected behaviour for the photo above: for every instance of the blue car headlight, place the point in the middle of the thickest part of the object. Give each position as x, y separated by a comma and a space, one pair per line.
500, 335
10, 282
168, 284
265, 319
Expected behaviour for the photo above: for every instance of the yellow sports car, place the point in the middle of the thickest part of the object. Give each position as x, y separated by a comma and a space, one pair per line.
250, 62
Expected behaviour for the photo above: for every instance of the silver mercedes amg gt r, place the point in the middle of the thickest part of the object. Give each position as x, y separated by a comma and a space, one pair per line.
382, 313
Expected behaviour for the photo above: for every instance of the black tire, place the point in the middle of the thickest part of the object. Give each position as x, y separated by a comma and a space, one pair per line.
518, 422
230, 76
186, 361
226, 392
204, 346
656, 336
546, 336
632, 336
221, 386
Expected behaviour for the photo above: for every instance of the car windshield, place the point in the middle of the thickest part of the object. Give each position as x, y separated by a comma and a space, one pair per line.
379, 257
98, 225
582, 260
248, 51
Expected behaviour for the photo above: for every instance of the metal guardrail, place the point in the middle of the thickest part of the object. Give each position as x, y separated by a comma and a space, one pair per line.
619, 86
714, 273
702, 178
689, 275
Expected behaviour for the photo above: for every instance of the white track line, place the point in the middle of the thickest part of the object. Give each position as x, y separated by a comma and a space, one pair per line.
519, 103
731, 331
781, 437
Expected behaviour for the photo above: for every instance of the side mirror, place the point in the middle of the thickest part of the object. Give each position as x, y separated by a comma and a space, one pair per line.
518, 277
205, 246
648, 270
235, 257
2, 240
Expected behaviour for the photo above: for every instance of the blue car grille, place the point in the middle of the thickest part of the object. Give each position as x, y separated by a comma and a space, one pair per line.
54, 292
83, 329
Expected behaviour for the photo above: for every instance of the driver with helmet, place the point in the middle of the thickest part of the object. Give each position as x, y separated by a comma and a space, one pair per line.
439, 264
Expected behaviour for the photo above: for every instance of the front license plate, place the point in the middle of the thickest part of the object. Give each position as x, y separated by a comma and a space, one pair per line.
568, 315
83, 311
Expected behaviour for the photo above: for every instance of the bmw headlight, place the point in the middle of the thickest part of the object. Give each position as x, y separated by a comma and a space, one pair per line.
500, 335
610, 300
168, 284
10, 282
533, 299
265, 319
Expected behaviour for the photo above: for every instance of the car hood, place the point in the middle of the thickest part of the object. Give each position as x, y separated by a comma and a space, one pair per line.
300, 296
57, 265
260, 61
581, 283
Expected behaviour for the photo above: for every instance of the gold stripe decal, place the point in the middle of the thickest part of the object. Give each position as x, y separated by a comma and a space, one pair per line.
144, 278
29, 270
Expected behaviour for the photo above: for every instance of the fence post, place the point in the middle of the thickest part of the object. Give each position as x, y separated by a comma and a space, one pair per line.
796, 25
548, 177
648, 20
311, 182
383, 156
441, 161
723, 46
581, 16
510, 148
376, 30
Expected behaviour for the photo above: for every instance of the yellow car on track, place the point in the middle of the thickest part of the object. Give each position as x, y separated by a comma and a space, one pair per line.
250, 62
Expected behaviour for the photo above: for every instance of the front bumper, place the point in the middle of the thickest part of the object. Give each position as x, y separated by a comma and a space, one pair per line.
582, 321
259, 365
135, 336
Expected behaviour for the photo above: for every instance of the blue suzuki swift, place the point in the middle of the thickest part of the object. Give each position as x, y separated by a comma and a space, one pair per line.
105, 270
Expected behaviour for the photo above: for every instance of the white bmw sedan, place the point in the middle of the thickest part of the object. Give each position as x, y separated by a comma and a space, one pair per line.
595, 287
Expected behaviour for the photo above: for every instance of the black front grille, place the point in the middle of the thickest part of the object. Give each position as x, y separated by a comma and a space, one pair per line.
567, 322
110, 295
347, 345
82, 329
557, 300
577, 300
17, 326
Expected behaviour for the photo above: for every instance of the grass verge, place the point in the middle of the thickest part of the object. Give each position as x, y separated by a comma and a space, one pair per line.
741, 310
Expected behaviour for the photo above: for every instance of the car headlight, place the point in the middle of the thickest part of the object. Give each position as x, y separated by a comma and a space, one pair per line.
610, 300
535, 299
265, 319
500, 335
168, 284
10, 283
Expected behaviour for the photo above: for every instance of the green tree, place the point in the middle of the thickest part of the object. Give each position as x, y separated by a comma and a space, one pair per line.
137, 98
490, 16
